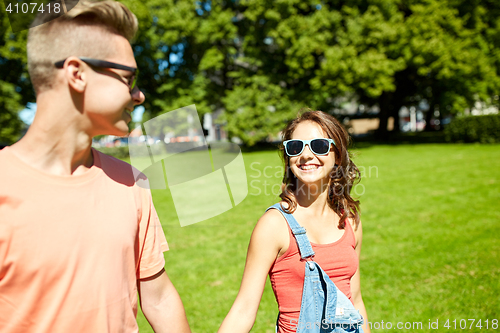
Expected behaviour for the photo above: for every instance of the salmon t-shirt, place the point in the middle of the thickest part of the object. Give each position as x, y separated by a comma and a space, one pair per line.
73, 247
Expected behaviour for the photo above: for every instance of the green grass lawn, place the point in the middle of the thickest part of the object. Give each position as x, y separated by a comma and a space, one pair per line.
431, 247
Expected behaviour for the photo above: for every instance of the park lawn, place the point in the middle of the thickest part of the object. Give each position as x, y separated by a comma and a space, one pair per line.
431, 248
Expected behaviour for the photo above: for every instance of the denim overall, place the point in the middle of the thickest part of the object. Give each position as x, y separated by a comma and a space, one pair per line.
324, 308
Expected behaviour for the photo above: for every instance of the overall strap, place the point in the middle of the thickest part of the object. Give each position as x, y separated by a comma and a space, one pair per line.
303, 243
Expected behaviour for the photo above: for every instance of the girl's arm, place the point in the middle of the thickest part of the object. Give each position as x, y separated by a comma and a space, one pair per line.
269, 237
356, 282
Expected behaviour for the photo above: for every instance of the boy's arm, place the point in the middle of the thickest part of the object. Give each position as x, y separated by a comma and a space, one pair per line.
162, 305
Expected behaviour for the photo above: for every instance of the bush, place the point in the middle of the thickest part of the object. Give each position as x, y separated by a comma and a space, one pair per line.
118, 152
484, 129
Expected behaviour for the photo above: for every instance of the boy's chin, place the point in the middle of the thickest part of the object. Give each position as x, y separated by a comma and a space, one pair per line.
122, 133
119, 131
122, 128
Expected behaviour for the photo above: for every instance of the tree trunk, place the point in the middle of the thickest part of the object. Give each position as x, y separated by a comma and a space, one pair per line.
428, 116
395, 114
383, 102
396, 128
396, 105
440, 120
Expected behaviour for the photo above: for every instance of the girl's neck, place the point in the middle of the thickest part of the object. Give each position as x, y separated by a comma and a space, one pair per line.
312, 195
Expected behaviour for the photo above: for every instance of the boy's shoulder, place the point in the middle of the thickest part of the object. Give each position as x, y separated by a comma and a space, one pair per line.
5, 156
118, 170
110, 161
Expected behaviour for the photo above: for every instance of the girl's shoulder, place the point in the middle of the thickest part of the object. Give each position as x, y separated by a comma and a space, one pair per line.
273, 218
272, 226
356, 228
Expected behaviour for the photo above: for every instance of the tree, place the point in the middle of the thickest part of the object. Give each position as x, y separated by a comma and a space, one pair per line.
259, 62
15, 88
453, 62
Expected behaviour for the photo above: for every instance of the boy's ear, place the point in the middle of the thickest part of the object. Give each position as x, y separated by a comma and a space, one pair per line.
76, 74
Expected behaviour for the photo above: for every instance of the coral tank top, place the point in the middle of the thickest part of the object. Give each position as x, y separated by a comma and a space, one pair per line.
339, 260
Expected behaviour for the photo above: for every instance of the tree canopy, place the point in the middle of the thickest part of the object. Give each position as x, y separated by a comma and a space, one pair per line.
15, 88
258, 62
261, 61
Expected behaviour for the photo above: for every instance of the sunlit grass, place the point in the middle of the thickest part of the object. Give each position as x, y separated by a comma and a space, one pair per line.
430, 248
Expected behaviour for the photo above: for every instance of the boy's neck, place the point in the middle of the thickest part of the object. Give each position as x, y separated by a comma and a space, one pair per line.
56, 142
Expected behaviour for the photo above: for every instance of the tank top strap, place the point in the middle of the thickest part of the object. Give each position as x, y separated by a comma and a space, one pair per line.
299, 232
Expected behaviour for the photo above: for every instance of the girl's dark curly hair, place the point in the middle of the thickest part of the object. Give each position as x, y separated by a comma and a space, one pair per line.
342, 177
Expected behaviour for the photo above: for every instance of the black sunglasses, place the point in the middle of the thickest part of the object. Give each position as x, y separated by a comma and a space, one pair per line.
317, 146
106, 64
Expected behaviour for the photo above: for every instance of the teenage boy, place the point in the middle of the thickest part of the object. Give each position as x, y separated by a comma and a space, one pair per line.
78, 238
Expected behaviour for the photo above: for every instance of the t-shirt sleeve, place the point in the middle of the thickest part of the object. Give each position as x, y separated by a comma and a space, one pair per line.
152, 242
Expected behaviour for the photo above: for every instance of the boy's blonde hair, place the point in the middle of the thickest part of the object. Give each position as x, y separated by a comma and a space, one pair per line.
83, 31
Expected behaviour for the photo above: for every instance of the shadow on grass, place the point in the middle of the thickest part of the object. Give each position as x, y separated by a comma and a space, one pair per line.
261, 146
394, 139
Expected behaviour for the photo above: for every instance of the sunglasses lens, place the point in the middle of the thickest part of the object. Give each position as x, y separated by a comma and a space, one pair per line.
320, 146
133, 82
294, 147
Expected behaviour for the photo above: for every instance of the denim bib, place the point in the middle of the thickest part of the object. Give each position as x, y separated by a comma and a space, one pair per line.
324, 308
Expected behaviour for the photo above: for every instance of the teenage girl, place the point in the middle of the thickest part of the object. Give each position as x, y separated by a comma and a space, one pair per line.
316, 189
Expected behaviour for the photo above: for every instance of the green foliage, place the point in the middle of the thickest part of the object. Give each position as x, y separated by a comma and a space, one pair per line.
260, 61
170, 48
15, 88
10, 124
255, 109
454, 62
121, 152
484, 129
